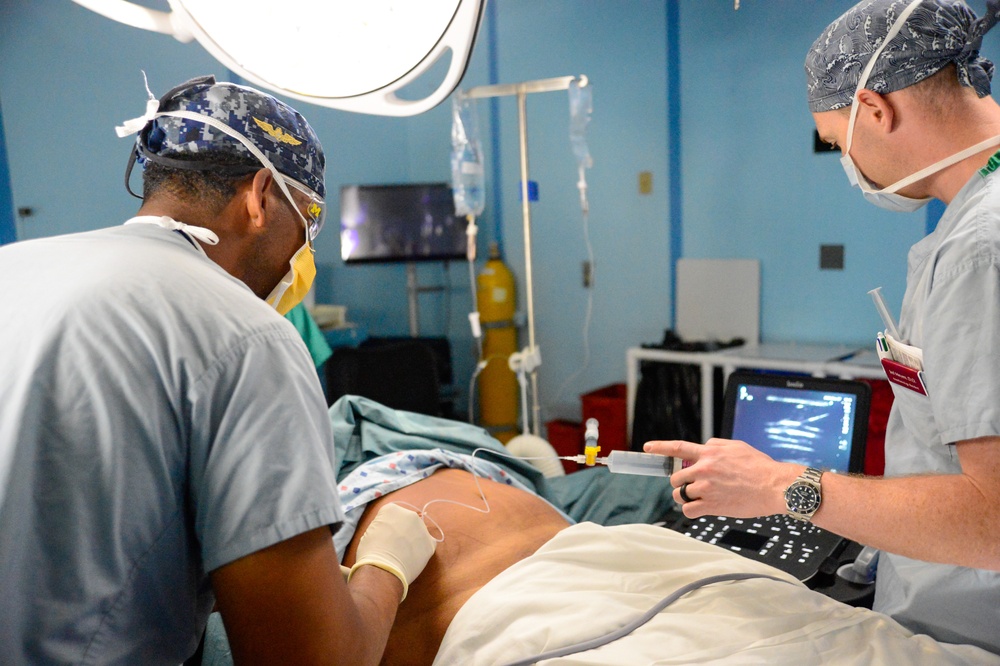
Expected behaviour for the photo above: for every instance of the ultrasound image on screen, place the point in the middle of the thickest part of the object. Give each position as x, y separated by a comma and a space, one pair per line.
391, 223
812, 428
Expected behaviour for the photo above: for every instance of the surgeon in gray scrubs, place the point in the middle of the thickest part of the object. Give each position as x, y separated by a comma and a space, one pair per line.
900, 88
164, 440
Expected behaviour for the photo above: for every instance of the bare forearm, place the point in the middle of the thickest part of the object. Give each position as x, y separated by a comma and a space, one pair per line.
898, 514
948, 518
376, 594
942, 518
288, 604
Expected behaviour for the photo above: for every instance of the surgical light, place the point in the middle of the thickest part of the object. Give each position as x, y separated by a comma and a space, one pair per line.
352, 55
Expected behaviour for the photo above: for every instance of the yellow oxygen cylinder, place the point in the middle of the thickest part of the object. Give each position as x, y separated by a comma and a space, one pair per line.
498, 387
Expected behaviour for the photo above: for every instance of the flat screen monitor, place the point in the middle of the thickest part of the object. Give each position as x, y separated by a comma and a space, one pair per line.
400, 223
814, 421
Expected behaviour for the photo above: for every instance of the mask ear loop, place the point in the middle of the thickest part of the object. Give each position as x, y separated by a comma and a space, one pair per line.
128, 128
893, 31
153, 107
234, 170
128, 176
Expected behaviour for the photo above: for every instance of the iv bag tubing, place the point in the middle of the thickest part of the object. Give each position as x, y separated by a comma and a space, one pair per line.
521, 91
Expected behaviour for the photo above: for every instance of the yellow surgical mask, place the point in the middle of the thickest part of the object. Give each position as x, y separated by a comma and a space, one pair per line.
297, 281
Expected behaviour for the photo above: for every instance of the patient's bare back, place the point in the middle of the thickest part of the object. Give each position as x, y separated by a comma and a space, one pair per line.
476, 547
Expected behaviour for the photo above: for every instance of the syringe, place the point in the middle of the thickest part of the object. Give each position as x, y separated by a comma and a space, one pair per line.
634, 462
623, 462
883, 311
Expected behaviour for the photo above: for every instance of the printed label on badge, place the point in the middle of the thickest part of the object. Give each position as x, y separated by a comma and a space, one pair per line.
897, 373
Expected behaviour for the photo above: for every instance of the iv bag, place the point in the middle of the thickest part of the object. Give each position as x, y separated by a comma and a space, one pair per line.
580, 107
467, 177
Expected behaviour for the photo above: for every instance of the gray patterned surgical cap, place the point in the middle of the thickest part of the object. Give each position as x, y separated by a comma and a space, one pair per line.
937, 33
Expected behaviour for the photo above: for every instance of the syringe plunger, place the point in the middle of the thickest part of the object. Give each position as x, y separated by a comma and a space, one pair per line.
633, 462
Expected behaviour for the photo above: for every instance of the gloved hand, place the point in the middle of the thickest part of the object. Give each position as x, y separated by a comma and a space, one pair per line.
397, 541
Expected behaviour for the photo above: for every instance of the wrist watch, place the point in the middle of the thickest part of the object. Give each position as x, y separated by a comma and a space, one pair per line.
803, 497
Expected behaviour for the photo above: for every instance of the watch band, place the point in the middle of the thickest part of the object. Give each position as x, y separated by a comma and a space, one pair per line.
812, 474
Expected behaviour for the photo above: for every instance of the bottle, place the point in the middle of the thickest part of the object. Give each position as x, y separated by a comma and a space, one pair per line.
498, 388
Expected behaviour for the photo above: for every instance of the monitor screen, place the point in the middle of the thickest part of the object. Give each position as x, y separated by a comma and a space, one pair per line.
400, 223
817, 422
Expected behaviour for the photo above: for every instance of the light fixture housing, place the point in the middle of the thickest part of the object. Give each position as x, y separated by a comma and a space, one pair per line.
352, 55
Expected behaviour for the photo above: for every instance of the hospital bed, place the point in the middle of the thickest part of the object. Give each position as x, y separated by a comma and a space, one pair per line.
613, 566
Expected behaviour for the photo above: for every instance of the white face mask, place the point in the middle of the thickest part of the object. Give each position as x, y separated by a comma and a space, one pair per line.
881, 198
887, 197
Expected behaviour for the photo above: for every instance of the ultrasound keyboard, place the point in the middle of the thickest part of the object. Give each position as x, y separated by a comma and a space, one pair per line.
781, 541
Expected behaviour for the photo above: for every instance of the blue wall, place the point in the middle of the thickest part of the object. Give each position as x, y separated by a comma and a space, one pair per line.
621, 48
7, 228
753, 186
732, 116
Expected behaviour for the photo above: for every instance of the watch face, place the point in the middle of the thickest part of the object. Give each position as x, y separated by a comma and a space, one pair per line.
802, 498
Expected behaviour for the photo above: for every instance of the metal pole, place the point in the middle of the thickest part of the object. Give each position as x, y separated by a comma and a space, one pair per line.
412, 291
521, 90
522, 128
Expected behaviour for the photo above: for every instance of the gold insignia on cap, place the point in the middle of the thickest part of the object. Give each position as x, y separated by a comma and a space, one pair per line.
281, 135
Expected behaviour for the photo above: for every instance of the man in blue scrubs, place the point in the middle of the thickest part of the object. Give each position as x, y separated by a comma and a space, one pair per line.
900, 88
165, 444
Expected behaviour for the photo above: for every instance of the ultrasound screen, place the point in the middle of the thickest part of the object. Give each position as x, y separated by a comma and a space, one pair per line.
812, 428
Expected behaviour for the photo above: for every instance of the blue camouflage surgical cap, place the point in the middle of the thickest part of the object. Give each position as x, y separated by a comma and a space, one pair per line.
937, 33
276, 129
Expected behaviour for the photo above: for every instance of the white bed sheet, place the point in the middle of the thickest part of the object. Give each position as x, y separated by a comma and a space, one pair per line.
590, 580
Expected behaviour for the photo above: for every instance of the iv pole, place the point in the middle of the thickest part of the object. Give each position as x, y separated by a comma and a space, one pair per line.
531, 356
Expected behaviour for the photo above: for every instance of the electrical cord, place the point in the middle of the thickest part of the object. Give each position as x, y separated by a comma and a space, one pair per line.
477, 332
588, 317
480, 366
422, 510
475, 307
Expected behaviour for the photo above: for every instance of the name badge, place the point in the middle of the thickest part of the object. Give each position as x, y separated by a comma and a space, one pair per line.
904, 376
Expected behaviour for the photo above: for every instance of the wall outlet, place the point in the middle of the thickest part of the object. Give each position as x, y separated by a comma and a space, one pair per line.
831, 257
645, 182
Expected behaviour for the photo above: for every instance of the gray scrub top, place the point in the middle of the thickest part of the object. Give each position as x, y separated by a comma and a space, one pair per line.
158, 421
951, 310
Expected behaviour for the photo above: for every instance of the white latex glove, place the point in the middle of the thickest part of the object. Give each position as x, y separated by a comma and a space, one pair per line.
397, 541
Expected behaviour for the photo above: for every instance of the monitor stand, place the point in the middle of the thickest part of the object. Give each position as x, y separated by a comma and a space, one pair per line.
413, 289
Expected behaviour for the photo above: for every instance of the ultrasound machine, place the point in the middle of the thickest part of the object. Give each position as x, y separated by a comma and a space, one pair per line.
816, 422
